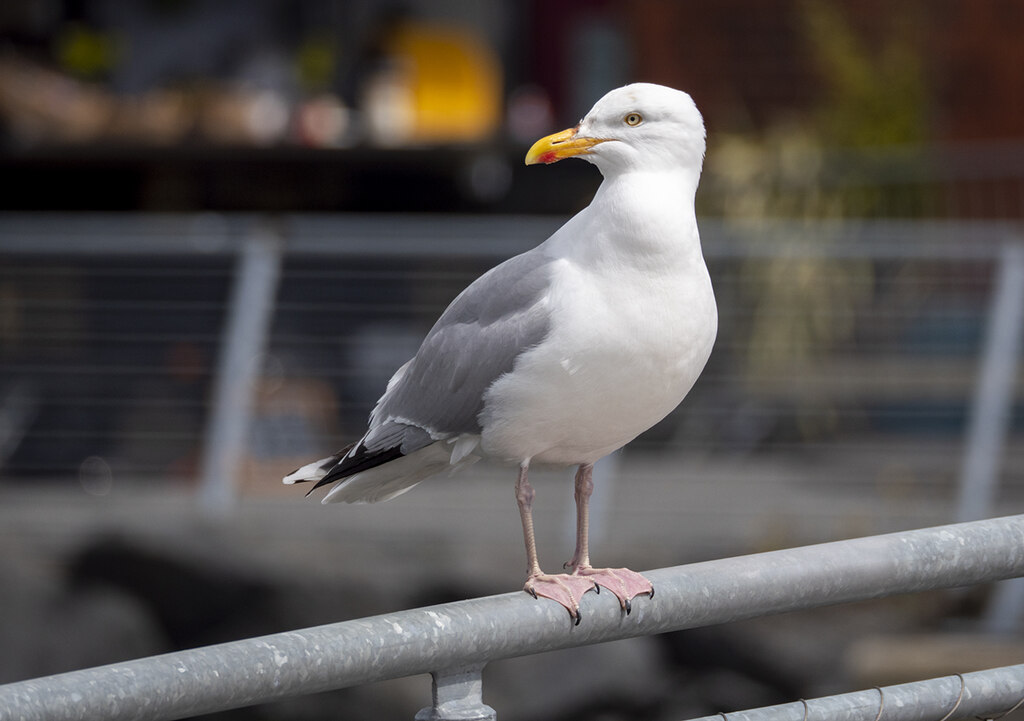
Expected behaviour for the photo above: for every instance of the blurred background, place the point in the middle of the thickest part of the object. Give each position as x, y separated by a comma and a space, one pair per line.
226, 224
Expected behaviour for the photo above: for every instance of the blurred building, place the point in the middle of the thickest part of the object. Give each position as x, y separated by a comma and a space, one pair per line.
174, 104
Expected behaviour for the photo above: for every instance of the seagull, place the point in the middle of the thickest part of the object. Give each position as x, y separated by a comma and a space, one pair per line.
567, 352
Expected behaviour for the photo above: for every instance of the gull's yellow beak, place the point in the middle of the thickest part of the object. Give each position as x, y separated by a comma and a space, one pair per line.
560, 145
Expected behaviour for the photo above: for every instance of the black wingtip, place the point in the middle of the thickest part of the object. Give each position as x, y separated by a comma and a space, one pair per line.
353, 462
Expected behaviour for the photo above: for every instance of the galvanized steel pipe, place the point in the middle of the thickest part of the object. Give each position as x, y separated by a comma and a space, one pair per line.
473, 632
981, 694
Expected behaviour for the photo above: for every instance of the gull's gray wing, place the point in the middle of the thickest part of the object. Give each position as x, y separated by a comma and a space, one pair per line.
439, 393
476, 340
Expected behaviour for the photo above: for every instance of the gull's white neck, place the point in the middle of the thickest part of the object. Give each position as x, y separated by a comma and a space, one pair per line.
640, 218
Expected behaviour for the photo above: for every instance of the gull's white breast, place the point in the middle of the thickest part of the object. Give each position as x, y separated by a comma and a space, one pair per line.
626, 345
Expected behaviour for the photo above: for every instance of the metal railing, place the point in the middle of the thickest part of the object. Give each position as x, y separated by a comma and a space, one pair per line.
453, 642
989, 694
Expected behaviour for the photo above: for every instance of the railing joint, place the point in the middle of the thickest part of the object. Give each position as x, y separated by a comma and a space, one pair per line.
458, 696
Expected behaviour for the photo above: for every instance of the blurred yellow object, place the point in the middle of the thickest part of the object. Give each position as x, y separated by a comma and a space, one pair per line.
87, 53
444, 86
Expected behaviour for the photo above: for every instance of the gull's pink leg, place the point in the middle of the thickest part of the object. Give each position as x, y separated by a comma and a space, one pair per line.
566, 589
622, 582
584, 488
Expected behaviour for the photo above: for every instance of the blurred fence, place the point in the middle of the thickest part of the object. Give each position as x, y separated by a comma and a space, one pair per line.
229, 348
131, 343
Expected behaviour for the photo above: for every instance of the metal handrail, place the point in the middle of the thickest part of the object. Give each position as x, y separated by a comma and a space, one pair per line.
494, 237
989, 694
454, 641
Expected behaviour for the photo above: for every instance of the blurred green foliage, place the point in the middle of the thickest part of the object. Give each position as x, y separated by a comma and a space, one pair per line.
820, 166
875, 93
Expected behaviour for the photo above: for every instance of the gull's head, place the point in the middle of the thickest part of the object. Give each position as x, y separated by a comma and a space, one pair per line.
638, 126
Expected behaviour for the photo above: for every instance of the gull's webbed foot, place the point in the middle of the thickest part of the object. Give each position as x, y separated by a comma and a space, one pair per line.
622, 582
564, 588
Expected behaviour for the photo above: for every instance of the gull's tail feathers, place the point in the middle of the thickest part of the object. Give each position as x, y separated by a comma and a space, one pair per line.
385, 463
317, 469
392, 478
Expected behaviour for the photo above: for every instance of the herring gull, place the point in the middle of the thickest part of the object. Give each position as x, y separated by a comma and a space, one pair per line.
565, 353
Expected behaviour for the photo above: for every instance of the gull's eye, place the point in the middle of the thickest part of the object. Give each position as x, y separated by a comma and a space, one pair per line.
634, 119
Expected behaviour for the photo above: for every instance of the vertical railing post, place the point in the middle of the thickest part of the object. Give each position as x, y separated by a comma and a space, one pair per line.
990, 418
991, 407
457, 696
243, 344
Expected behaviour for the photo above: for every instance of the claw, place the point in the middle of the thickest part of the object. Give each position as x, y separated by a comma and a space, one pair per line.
532, 592
579, 617
651, 594
597, 589
629, 607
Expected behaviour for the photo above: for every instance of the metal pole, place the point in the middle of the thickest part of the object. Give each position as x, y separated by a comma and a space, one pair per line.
470, 633
989, 424
993, 399
981, 694
245, 339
